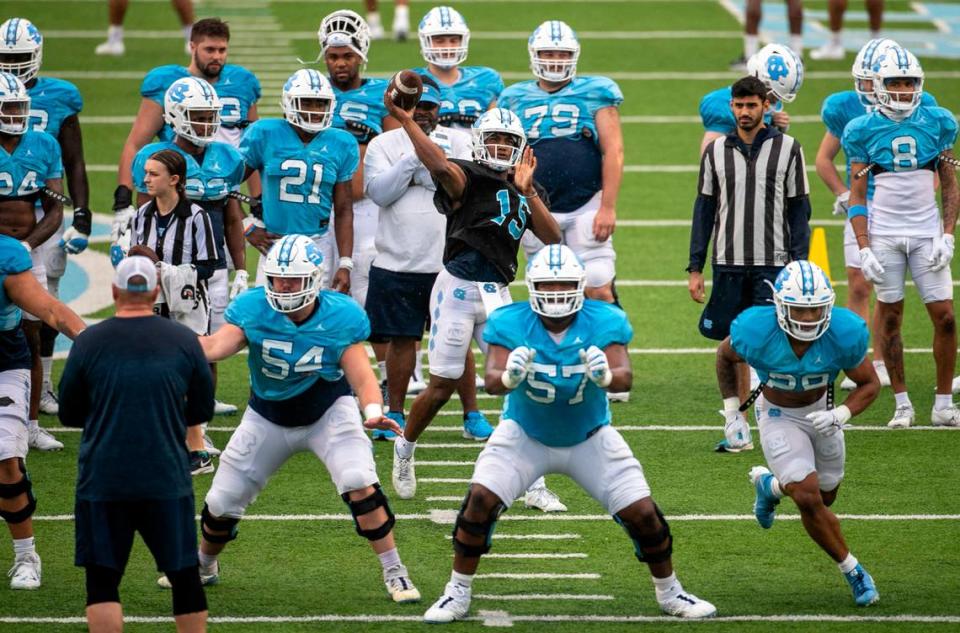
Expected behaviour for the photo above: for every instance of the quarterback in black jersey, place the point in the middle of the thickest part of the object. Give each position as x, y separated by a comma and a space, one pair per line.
489, 202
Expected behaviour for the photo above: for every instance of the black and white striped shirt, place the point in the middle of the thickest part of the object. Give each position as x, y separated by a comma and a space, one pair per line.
187, 237
753, 201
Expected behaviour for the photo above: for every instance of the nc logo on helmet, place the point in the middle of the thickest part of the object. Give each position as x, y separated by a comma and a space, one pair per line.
777, 67
313, 255
179, 92
34, 34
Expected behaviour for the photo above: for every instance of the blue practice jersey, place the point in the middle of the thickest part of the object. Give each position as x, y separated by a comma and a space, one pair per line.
908, 145
842, 107
35, 160
237, 87
716, 114
288, 360
52, 101
756, 337
561, 126
14, 353
463, 102
298, 179
220, 172
361, 111
557, 404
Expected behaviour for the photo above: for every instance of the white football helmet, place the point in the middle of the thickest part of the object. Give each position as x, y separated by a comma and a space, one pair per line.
21, 49
896, 62
556, 262
863, 68
780, 69
184, 100
293, 257
803, 284
498, 120
553, 35
443, 21
345, 28
14, 105
304, 84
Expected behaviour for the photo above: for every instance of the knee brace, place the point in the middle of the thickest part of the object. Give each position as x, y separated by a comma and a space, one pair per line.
209, 522
188, 595
484, 529
367, 505
103, 584
641, 542
48, 338
12, 491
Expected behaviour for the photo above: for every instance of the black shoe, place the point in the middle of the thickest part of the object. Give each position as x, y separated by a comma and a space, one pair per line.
200, 463
385, 394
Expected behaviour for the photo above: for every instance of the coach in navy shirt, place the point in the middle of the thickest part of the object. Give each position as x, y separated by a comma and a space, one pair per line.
134, 383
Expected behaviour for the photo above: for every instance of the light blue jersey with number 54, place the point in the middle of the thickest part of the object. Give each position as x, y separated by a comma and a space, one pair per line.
557, 404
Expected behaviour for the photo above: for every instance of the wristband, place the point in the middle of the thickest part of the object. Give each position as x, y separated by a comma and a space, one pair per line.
536, 194
250, 223
731, 405
346, 262
843, 414
372, 411
857, 209
122, 197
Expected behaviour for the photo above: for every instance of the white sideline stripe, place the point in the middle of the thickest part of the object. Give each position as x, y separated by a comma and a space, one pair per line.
445, 463
545, 556
532, 537
476, 35
541, 576
629, 169
540, 596
443, 498
444, 480
440, 516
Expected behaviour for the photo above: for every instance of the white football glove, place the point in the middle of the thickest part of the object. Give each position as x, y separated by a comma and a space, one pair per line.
121, 222
829, 421
240, 283
598, 368
942, 252
518, 364
737, 431
841, 204
870, 266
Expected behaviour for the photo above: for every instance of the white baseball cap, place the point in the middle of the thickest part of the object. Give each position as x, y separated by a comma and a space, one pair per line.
135, 266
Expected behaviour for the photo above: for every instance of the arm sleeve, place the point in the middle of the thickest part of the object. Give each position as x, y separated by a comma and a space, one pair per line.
797, 184
704, 215
798, 218
199, 401
73, 390
385, 183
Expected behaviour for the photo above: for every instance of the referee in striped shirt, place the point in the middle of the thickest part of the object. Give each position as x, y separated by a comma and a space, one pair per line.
753, 199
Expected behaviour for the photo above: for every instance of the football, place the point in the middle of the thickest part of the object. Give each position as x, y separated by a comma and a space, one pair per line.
405, 89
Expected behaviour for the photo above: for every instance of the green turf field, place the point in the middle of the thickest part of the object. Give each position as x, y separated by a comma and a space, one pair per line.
298, 563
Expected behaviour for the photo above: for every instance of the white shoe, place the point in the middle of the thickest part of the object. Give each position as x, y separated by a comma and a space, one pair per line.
48, 400
25, 573
404, 476
687, 605
111, 48
946, 417
208, 446
399, 585
208, 577
618, 396
828, 51
956, 385
881, 368
376, 31
41, 439
479, 382
543, 499
416, 386
223, 408
848, 385
454, 604
902, 417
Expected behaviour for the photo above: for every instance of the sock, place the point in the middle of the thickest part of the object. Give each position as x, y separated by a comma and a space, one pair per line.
751, 44
23, 546
401, 17
382, 368
836, 38
115, 34
902, 399
47, 363
464, 580
539, 483
207, 561
187, 30
34, 424
373, 19
796, 44
943, 401
403, 447
775, 488
666, 587
418, 367
877, 364
874, 34
848, 564
389, 559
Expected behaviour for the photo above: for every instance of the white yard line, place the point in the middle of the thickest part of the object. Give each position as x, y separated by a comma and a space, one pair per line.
540, 576
441, 516
540, 556
516, 597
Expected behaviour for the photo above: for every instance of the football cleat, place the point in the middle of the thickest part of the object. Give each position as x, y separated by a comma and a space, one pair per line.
543, 499
765, 503
848, 385
476, 426
688, 606
864, 591
902, 417
116, 49
399, 585
208, 577
416, 386
25, 573
618, 396
739, 65
210, 447
200, 463
48, 400
404, 476
454, 604
224, 408
828, 51
382, 434
946, 417
41, 439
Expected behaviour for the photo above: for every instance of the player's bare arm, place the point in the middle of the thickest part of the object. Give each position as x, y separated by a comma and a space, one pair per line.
149, 121
25, 291
949, 192
867, 389
223, 344
611, 147
233, 233
858, 196
828, 150
496, 363
343, 231
356, 367
619, 361
52, 216
541, 222
74, 166
727, 362
708, 137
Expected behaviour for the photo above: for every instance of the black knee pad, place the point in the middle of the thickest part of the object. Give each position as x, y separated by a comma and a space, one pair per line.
12, 491
226, 524
48, 337
641, 542
103, 584
366, 505
188, 594
484, 529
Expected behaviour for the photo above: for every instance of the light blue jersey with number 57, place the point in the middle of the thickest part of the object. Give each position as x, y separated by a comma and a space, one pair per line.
557, 404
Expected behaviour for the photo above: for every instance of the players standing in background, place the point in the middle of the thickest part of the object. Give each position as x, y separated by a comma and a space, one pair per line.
554, 356
833, 49
401, 20
904, 144
776, 66
54, 108
751, 34
118, 10
798, 346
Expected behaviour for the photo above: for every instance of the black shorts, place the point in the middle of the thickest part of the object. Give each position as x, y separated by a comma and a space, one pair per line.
105, 529
735, 288
398, 304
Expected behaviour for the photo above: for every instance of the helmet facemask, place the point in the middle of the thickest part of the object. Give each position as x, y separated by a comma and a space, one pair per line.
897, 104
493, 152
14, 116
286, 301
556, 304
308, 113
554, 68
197, 125
803, 329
